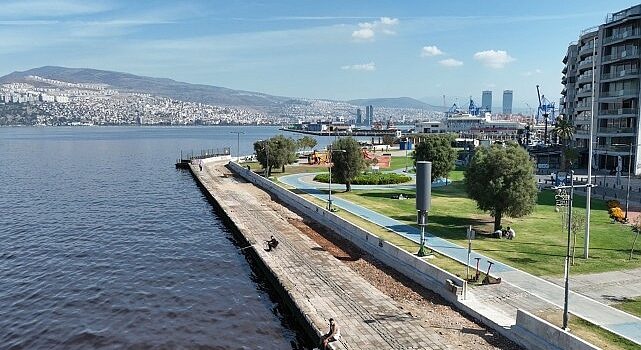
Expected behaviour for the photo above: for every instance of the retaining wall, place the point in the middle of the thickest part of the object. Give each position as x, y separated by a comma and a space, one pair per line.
448, 285
536, 333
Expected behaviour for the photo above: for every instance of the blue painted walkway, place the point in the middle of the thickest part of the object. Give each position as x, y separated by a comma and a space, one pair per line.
605, 316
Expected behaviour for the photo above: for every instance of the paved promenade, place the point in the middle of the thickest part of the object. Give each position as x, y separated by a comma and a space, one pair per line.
320, 285
546, 292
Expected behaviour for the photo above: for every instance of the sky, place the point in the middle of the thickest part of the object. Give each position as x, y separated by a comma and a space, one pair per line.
334, 49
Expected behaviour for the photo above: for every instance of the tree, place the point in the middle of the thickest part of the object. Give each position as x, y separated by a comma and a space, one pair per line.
577, 225
500, 178
636, 228
388, 139
564, 130
349, 164
306, 142
438, 150
276, 152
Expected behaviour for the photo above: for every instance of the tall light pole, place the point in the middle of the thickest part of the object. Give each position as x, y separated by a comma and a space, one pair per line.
237, 143
588, 190
331, 164
266, 147
407, 145
567, 254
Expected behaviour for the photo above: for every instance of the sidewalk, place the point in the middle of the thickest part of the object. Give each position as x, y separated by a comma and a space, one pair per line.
596, 312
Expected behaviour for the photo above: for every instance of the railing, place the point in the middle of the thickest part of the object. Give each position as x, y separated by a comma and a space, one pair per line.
583, 90
615, 130
585, 63
619, 93
624, 35
589, 30
586, 49
622, 55
620, 74
612, 17
205, 153
619, 111
583, 78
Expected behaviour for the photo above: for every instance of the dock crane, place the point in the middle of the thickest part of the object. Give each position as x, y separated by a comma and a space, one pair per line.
545, 109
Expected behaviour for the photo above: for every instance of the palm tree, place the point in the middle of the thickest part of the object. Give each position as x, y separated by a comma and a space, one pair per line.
564, 130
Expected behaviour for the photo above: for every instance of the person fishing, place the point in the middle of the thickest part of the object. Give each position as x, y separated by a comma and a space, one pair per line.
272, 243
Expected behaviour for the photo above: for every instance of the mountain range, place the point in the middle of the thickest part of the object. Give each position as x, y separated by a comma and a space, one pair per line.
208, 94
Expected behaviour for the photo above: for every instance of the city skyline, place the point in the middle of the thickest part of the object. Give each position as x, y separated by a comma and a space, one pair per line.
352, 50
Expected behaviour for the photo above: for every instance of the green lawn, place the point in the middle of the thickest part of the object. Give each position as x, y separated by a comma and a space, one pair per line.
539, 247
289, 169
590, 332
399, 162
632, 306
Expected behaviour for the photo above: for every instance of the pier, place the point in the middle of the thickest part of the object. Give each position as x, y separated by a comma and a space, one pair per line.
316, 285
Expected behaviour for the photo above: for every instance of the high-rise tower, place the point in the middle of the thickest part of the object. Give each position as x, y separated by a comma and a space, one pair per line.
507, 101
486, 101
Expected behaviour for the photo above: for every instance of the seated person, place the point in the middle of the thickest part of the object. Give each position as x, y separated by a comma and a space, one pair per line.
498, 233
334, 334
271, 244
510, 233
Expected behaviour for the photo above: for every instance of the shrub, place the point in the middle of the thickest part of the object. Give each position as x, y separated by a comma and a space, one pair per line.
369, 178
616, 214
613, 203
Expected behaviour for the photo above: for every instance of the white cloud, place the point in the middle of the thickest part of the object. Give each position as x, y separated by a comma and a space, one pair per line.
493, 59
531, 73
55, 8
389, 21
429, 51
363, 34
450, 62
368, 30
365, 66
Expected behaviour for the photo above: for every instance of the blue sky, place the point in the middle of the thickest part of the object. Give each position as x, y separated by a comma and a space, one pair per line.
316, 49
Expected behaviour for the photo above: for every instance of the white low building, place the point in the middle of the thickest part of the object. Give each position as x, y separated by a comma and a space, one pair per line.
481, 127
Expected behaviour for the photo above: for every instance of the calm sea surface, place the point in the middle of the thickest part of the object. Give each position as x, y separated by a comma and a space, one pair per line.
104, 244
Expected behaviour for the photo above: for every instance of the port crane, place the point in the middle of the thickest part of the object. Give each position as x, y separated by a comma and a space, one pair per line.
547, 110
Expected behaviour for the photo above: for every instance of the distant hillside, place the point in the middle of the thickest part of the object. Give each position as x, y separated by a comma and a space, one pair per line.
155, 86
395, 102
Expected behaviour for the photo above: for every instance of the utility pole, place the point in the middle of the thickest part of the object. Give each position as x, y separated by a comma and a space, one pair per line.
588, 190
567, 254
237, 144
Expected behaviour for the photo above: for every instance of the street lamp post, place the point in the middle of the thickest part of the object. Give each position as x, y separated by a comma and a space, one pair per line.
567, 254
331, 164
237, 144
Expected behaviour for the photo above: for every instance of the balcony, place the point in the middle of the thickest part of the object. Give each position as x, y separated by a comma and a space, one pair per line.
581, 107
582, 120
619, 111
565, 70
624, 55
619, 93
635, 33
615, 130
587, 78
620, 74
585, 64
586, 50
584, 92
